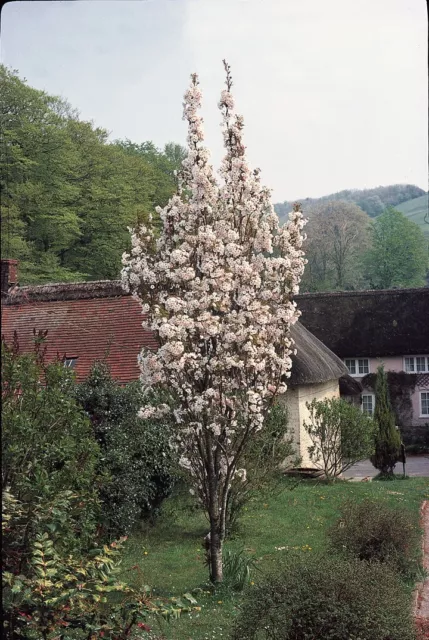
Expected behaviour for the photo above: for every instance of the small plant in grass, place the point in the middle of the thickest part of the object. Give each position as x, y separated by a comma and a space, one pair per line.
387, 437
376, 532
326, 597
237, 567
340, 433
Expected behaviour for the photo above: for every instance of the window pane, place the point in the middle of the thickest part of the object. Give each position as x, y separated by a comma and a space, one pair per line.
421, 364
363, 366
425, 402
368, 404
351, 366
409, 365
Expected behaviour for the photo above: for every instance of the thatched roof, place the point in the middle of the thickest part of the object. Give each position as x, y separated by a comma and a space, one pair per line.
65, 291
75, 313
371, 324
350, 386
314, 362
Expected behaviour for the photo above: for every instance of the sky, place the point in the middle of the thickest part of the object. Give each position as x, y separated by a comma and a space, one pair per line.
333, 93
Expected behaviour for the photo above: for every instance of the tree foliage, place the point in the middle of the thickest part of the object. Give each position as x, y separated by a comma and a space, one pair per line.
68, 195
387, 436
398, 256
337, 237
340, 433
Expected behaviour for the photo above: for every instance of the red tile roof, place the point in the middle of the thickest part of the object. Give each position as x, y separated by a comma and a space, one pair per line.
87, 328
98, 321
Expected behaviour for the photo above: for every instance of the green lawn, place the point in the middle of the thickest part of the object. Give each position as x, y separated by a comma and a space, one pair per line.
169, 556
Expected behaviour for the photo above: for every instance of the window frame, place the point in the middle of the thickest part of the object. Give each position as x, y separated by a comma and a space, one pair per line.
356, 361
414, 359
372, 396
70, 359
426, 392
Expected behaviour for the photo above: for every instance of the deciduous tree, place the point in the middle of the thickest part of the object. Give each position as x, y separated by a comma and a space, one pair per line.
399, 253
337, 240
221, 306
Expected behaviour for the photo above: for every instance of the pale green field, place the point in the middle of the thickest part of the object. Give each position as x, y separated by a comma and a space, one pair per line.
416, 210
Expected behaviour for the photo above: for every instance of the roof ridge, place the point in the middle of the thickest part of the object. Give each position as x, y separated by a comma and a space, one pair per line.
363, 292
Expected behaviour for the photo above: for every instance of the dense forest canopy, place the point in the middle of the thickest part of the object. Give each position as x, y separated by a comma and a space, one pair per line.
69, 194
372, 201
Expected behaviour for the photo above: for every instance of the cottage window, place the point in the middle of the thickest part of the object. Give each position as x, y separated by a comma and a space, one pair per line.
424, 404
357, 366
368, 403
70, 363
351, 366
416, 364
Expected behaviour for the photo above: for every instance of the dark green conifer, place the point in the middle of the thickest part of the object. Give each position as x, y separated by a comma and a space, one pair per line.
387, 436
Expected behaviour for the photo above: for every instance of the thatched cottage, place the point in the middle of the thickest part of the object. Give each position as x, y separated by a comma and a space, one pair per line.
91, 321
369, 328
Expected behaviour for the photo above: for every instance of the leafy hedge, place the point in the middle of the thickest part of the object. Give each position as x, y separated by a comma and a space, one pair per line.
326, 597
135, 453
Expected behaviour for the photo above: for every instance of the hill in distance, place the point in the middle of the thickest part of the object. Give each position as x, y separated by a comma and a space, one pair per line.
417, 210
373, 201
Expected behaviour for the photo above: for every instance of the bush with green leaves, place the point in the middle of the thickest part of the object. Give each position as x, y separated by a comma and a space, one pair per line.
314, 597
135, 451
377, 532
340, 433
387, 437
57, 582
261, 462
80, 597
50, 459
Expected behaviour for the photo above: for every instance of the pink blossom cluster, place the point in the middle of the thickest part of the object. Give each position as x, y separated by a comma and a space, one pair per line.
217, 289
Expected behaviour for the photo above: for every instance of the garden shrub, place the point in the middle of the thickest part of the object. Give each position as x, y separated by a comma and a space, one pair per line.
376, 532
340, 433
135, 451
321, 597
49, 456
265, 452
56, 581
79, 597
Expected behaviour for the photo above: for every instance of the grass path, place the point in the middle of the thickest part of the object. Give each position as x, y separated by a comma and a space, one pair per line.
169, 556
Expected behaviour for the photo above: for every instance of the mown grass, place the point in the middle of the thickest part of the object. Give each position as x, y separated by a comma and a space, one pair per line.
170, 558
416, 210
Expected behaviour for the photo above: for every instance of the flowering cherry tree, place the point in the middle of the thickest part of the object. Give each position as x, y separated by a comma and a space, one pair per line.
217, 289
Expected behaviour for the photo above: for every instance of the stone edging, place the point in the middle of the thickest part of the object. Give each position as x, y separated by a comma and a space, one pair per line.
422, 588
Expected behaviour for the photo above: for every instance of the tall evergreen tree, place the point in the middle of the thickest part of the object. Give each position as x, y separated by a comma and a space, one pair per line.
387, 437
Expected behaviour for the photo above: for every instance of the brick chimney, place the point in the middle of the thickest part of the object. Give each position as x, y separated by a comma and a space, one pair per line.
9, 275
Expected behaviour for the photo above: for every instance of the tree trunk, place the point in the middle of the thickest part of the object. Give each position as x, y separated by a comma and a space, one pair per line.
216, 569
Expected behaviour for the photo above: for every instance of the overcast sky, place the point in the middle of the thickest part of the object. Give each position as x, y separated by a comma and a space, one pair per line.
333, 92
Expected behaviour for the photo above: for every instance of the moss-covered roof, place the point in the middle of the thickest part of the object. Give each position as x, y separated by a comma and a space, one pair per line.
392, 322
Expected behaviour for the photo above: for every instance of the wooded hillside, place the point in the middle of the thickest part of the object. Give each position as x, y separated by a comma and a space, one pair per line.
68, 194
372, 201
